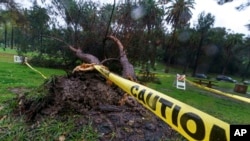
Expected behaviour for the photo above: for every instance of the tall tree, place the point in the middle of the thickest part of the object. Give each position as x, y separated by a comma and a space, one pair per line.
205, 22
38, 24
151, 21
72, 14
232, 43
178, 15
189, 46
246, 58
5, 17
16, 19
11, 16
213, 48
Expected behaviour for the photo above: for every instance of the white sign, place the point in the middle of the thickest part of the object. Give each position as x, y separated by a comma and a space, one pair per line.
180, 82
18, 59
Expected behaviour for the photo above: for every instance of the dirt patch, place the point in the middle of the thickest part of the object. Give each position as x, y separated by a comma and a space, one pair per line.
111, 111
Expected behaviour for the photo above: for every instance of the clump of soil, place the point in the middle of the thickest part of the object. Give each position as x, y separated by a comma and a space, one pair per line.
111, 111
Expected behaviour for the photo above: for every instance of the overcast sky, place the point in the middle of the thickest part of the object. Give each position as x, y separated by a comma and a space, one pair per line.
225, 15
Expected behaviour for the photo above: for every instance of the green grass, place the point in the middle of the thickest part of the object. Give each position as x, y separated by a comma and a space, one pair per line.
49, 129
14, 75
19, 75
221, 107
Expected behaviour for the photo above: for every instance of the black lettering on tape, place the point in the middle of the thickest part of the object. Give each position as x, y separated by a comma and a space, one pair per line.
175, 114
164, 104
134, 89
152, 101
199, 134
141, 95
217, 133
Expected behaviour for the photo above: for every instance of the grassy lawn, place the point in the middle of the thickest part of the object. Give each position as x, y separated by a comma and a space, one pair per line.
227, 109
14, 75
224, 108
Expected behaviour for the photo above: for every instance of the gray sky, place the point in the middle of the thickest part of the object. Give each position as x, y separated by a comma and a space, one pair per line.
225, 15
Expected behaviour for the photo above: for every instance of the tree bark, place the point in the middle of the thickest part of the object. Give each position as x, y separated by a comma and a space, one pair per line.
127, 67
87, 58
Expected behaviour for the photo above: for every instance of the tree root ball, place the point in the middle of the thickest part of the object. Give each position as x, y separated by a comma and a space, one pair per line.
113, 113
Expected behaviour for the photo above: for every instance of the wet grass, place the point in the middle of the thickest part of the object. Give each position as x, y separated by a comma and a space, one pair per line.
49, 129
221, 107
15, 128
14, 75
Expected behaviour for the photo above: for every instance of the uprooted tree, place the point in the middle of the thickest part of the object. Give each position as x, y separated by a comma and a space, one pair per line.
113, 114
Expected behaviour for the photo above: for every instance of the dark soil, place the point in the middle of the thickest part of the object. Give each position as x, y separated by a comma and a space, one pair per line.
111, 111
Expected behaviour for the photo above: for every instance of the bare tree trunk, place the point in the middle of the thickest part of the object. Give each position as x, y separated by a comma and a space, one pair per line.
12, 37
87, 58
224, 70
128, 68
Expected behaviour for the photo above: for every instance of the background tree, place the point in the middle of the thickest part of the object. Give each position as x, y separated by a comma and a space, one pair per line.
153, 23
178, 14
4, 21
11, 16
231, 46
205, 22
38, 24
246, 58
189, 41
10, 20
214, 49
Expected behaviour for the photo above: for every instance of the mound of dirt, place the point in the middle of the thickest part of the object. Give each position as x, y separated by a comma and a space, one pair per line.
111, 111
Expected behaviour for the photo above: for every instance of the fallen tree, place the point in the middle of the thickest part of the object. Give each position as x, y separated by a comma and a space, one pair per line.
114, 115
127, 68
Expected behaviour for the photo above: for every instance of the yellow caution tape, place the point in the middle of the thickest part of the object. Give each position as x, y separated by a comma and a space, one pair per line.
244, 99
35, 70
190, 122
